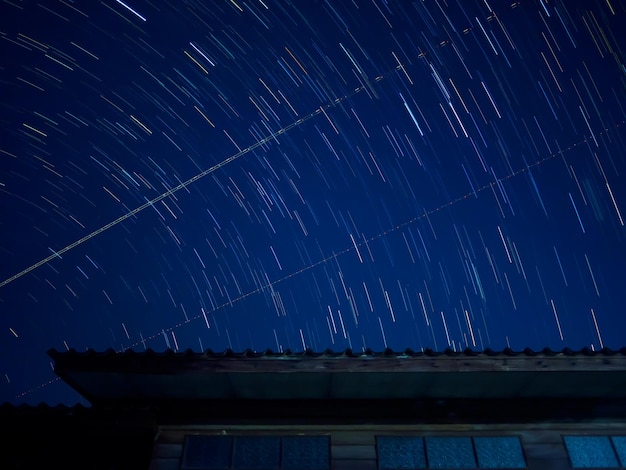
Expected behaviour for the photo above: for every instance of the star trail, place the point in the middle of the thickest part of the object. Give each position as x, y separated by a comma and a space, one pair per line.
315, 174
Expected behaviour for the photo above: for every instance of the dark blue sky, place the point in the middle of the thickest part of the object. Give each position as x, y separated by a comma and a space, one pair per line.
385, 174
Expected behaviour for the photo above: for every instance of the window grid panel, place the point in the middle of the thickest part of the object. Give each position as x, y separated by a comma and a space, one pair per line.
256, 453
590, 452
499, 452
406, 452
450, 452
400, 452
207, 452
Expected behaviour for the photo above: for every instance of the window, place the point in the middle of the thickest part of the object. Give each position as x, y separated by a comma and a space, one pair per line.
202, 452
251, 452
207, 452
305, 453
499, 452
596, 451
400, 452
405, 452
450, 452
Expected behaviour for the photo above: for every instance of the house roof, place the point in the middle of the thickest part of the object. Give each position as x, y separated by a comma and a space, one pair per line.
150, 377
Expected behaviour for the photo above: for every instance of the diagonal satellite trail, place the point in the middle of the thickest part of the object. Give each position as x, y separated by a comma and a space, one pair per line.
193, 179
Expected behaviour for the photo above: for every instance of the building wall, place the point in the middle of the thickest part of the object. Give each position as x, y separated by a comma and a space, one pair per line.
354, 446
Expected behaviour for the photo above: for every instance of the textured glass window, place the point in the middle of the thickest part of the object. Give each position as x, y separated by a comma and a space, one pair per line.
400, 452
207, 453
450, 452
590, 451
306, 453
258, 453
619, 442
499, 452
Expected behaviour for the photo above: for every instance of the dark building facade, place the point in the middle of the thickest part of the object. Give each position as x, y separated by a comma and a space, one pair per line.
389, 410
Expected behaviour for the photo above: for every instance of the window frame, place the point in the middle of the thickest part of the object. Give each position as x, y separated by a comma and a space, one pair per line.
185, 464
424, 448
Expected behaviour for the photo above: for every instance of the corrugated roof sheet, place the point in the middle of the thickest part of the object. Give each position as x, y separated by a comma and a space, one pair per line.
248, 353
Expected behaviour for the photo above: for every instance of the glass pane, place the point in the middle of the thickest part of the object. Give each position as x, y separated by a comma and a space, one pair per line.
400, 452
619, 442
450, 452
258, 453
206, 453
499, 452
306, 453
590, 451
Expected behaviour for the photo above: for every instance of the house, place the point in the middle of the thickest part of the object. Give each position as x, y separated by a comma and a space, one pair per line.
331, 410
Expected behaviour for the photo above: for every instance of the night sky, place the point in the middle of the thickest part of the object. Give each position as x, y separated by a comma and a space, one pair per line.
308, 174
